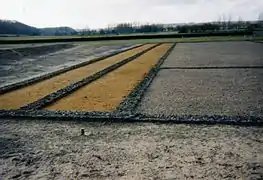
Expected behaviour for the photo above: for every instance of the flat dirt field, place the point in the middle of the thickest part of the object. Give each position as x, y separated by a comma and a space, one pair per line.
216, 54
108, 92
218, 91
55, 150
38, 90
19, 62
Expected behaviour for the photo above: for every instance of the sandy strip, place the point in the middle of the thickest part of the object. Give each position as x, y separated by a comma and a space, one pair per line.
107, 93
29, 94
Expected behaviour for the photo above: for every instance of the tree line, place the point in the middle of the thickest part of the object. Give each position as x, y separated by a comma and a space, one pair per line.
17, 28
129, 28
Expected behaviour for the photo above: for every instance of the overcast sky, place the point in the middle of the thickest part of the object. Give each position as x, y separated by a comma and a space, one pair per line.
100, 13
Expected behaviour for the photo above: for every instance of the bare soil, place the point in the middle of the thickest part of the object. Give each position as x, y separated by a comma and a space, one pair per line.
107, 93
55, 150
18, 98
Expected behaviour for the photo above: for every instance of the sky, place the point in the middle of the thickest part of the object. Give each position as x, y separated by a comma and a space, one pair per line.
100, 13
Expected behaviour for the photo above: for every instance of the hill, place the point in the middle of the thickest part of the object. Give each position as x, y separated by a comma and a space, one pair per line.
11, 28
57, 31
17, 28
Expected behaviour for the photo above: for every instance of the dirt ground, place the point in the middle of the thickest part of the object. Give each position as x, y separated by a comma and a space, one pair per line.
38, 90
55, 150
108, 92
37, 62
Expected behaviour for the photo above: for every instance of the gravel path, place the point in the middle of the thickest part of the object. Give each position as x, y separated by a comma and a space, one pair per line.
216, 54
55, 150
16, 69
205, 92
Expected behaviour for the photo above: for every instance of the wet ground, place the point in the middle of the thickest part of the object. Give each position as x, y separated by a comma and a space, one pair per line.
25, 62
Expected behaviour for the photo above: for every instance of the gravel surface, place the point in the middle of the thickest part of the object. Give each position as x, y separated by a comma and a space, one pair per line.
205, 92
55, 150
13, 70
119, 83
218, 91
216, 54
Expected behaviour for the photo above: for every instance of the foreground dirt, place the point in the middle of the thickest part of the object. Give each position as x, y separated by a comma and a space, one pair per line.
36, 91
108, 92
55, 150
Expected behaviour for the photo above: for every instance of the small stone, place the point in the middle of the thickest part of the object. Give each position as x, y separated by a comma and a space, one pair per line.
82, 132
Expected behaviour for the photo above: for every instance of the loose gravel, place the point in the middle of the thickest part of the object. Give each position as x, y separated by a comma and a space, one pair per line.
107, 93
216, 54
36, 91
235, 92
55, 150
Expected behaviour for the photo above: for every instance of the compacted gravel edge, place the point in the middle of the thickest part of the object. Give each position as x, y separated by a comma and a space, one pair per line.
107, 117
27, 82
133, 99
49, 99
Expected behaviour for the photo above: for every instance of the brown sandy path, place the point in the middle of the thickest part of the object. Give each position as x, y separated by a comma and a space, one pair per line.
107, 93
18, 98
